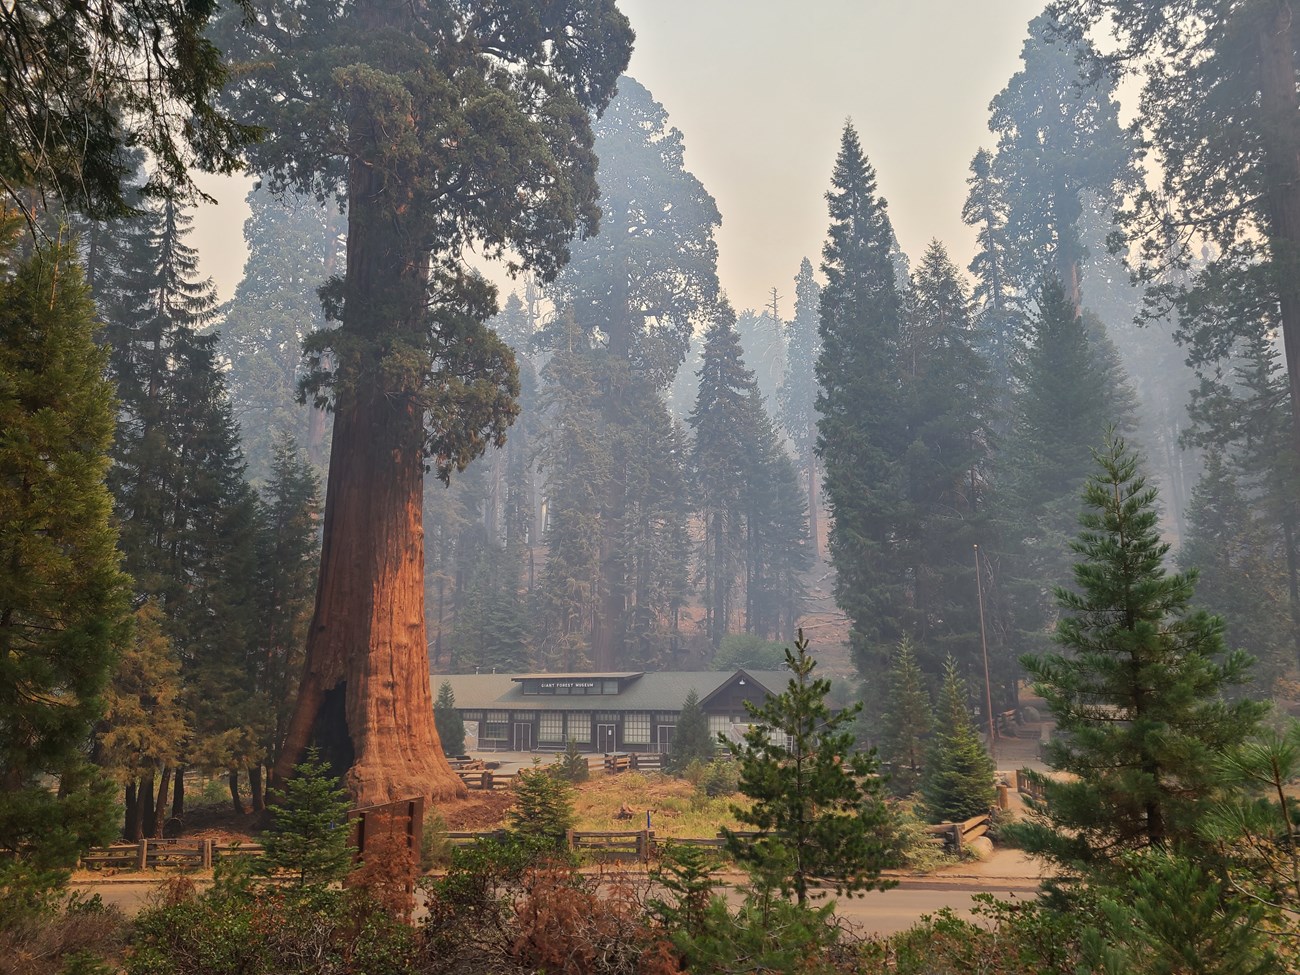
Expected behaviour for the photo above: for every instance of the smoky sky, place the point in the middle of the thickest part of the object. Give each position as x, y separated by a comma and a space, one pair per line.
761, 90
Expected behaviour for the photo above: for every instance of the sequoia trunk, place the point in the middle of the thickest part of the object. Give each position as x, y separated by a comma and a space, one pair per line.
365, 696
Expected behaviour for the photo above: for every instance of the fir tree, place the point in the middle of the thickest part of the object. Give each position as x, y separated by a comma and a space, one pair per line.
64, 606
691, 739
1136, 689
906, 722
860, 434
815, 797
308, 838
543, 808
958, 779
451, 729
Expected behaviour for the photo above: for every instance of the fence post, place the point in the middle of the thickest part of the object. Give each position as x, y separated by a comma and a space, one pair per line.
142, 855
1004, 799
486, 781
956, 838
207, 854
569, 842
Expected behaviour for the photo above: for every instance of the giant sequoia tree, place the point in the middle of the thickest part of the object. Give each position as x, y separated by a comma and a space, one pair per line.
1222, 109
443, 124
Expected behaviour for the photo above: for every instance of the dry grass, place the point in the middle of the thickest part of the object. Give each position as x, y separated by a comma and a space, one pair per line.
676, 808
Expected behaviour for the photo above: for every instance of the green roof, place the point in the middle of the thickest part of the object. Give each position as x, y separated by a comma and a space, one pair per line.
663, 691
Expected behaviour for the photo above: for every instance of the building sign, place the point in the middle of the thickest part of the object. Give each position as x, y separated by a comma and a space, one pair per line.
547, 684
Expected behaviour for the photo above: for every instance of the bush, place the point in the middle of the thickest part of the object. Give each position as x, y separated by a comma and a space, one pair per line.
713, 779
573, 765
435, 848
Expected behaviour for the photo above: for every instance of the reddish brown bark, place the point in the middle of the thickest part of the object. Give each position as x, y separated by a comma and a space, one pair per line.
365, 696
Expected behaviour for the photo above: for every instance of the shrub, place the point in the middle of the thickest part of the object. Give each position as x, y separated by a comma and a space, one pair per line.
573, 765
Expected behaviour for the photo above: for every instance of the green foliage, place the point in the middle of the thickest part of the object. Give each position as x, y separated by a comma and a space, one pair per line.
691, 739
64, 611
88, 82
958, 779
435, 848
748, 651
815, 797
451, 727
713, 778
860, 434
573, 765
907, 721
308, 838
543, 810
1171, 915
1136, 688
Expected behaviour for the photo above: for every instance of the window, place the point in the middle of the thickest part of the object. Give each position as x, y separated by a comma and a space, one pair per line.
636, 729
495, 729
609, 687
666, 718
719, 724
472, 715
525, 715
579, 727
551, 727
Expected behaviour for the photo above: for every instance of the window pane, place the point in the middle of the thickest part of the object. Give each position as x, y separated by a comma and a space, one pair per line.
551, 728
579, 727
636, 729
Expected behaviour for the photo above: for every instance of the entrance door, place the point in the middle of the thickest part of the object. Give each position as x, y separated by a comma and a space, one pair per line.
665, 743
605, 739
523, 736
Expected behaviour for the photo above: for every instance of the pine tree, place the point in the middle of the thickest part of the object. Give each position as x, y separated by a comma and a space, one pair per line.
815, 797
64, 606
451, 729
958, 779
1136, 689
543, 808
308, 838
907, 722
691, 739
860, 434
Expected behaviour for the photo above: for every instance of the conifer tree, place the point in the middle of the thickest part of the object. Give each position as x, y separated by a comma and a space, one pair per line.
798, 393
293, 249
815, 797
945, 468
451, 729
728, 442
958, 779
906, 722
1136, 689
860, 433
288, 554
691, 739
1060, 149
145, 724
445, 127
64, 602
1064, 405
308, 838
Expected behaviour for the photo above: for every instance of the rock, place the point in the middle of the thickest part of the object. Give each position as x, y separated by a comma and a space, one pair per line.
981, 848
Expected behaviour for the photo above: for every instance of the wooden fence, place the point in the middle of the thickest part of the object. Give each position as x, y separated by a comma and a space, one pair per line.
634, 761
955, 836
192, 854
1030, 785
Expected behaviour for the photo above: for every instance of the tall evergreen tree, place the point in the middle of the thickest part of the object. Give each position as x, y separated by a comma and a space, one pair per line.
797, 397
187, 517
637, 291
860, 433
1064, 405
1136, 688
721, 457
293, 248
1060, 149
288, 553
459, 125
451, 729
1219, 108
691, 739
944, 470
64, 609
